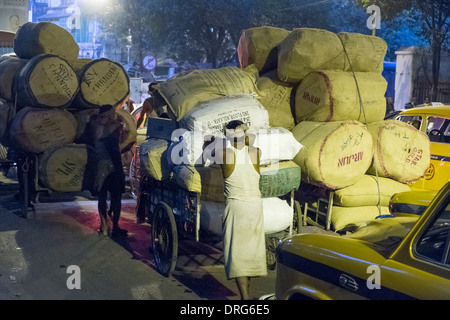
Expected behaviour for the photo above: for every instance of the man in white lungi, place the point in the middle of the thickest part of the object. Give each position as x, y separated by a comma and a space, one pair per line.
243, 224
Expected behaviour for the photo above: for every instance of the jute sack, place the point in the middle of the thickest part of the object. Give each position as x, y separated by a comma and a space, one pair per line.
208, 181
33, 39
333, 96
366, 53
9, 68
306, 50
402, 152
184, 92
213, 115
36, 129
129, 131
79, 64
6, 115
258, 46
365, 192
278, 215
343, 216
278, 179
102, 82
334, 154
62, 169
46, 81
275, 96
153, 158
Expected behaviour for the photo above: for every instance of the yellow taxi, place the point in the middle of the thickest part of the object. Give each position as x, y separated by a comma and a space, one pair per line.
435, 122
389, 258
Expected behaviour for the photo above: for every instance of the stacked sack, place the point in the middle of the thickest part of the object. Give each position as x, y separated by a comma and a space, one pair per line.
47, 97
328, 90
200, 104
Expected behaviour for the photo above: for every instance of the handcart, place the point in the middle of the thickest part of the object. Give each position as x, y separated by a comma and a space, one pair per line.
174, 214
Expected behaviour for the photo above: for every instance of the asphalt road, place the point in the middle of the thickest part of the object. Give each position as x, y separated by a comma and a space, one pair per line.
57, 254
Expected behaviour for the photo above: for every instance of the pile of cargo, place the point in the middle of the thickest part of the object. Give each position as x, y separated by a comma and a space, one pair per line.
333, 85
47, 96
201, 104
323, 89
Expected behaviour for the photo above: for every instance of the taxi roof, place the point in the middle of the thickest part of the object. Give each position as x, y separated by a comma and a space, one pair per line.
440, 110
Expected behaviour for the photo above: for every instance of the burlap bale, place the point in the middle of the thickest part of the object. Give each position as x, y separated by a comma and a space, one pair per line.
62, 169
33, 39
344, 216
334, 154
208, 181
36, 129
365, 52
9, 68
402, 152
365, 192
46, 81
102, 82
275, 96
6, 115
306, 50
153, 159
79, 64
213, 115
129, 131
184, 92
258, 46
333, 96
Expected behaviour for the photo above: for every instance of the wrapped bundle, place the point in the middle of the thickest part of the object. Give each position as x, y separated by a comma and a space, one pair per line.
259, 46
365, 192
33, 39
62, 169
343, 216
365, 53
102, 82
184, 92
153, 158
276, 98
278, 179
9, 68
402, 152
36, 129
277, 215
212, 116
129, 132
46, 81
306, 50
334, 96
334, 154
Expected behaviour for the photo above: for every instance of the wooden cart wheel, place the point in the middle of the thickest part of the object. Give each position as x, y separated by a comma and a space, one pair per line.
165, 239
135, 174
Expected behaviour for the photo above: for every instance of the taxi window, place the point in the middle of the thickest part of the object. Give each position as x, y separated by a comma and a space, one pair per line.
438, 129
416, 121
434, 244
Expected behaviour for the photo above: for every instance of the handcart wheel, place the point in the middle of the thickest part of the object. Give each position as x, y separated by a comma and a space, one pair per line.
165, 239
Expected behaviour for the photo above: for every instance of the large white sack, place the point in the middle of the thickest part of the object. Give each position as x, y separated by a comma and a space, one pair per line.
276, 144
334, 154
335, 96
214, 115
401, 151
278, 215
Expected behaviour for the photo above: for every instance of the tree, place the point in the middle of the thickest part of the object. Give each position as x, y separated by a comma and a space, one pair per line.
434, 23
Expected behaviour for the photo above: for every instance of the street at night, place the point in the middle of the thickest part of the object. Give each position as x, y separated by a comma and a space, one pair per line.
37, 252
